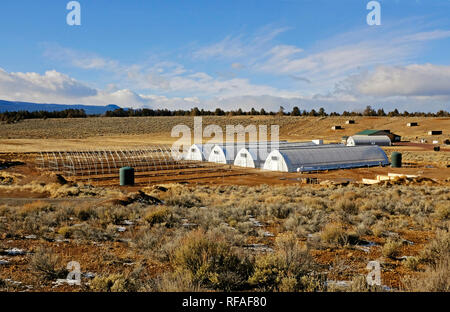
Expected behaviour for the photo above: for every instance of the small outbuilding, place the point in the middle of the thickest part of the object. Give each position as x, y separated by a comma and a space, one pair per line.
350, 122
394, 137
318, 142
380, 140
412, 124
435, 132
314, 159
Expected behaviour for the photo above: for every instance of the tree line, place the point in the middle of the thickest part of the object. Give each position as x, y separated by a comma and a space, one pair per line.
12, 117
368, 111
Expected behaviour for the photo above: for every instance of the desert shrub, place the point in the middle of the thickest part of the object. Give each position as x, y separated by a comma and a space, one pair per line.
334, 233
94, 233
438, 248
279, 210
206, 218
443, 211
62, 214
34, 208
436, 278
313, 202
359, 284
412, 263
378, 229
246, 228
229, 234
272, 274
112, 215
147, 240
212, 263
362, 229
157, 242
85, 213
176, 282
269, 272
4, 211
65, 231
117, 282
288, 284
347, 206
159, 215
184, 200
305, 220
288, 269
7, 178
391, 248
44, 263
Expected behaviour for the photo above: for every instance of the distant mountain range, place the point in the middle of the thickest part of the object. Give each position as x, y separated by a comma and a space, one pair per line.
7, 106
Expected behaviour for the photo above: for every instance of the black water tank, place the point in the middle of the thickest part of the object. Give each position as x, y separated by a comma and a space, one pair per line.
126, 176
396, 160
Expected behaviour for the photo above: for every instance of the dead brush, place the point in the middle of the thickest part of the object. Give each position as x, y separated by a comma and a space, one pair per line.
442, 210
435, 278
116, 282
46, 264
336, 234
176, 282
7, 178
391, 249
159, 215
348, 206
289, 268
212, 263
35, 207
112, 215
438, 248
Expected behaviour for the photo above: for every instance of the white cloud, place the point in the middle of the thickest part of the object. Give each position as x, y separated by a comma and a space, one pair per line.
428, 35
234, 47
34, 86
329, 61
79, 59
378, 57
54, 87
237, 66
411, 80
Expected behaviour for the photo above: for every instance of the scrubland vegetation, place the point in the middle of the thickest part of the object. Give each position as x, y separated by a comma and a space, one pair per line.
229, 238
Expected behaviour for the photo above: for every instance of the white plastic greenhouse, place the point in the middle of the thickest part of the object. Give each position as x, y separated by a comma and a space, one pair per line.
227, 153
380, 140
312, 159
255, 156
199, 152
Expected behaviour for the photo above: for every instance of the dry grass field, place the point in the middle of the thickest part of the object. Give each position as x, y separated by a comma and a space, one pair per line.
55, 134
249, 230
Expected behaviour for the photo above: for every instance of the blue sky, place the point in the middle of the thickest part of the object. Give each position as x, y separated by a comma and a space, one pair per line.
228, 54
